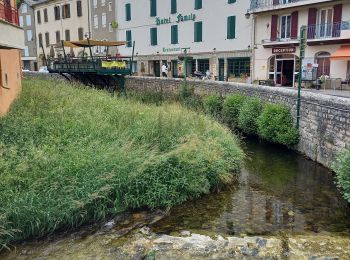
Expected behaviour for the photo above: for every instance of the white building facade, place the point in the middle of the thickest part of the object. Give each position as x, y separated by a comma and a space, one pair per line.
277, 36
217, 34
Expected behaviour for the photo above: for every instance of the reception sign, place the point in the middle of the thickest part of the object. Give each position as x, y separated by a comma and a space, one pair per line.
283, 50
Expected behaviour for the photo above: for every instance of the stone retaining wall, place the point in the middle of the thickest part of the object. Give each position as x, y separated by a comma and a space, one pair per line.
324, 124
325, 120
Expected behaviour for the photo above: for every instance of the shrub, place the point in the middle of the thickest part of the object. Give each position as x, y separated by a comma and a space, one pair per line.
213, 105
248, 115
231, 107
275, 124
342, 170
71, 156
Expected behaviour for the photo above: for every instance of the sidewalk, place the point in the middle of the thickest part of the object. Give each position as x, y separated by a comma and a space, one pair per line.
330, 92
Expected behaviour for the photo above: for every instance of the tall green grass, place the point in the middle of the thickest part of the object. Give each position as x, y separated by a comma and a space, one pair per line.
71, 155
342, 169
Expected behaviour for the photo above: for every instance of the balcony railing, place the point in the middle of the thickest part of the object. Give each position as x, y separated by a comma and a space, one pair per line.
8, 13
257, 4
327, 30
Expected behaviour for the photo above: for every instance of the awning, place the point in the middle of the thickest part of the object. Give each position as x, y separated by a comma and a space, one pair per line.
88, 43
343, 53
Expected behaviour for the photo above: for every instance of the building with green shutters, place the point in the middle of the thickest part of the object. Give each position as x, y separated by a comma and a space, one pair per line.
217, 33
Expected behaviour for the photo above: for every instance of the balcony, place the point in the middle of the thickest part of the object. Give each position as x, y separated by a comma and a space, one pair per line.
259, 6
8, 14
11, 36
329, 33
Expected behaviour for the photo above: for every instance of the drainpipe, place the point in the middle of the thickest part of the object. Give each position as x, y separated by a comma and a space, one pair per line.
89, 22
252, 73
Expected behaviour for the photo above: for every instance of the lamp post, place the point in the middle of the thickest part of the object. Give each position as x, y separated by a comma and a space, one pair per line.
302, 56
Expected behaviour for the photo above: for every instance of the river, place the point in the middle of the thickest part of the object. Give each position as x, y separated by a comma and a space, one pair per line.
279, 193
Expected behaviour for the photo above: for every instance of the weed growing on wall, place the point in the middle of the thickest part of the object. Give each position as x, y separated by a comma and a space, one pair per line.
231, 107
249, 113
342, 169
213, 105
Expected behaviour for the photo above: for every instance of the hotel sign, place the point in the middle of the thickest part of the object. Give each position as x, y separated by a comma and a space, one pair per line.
180, 18
283, 50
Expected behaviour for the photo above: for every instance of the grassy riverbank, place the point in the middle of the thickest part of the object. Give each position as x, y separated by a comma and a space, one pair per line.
71, 155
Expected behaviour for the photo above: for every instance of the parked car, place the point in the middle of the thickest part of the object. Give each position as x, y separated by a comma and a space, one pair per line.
43, 69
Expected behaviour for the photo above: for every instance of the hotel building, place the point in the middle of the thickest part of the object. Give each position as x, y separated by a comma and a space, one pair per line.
276, 38
216, 33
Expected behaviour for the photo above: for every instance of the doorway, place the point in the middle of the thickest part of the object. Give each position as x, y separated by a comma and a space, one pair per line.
221, 69
156, 68
174, 71
283, 69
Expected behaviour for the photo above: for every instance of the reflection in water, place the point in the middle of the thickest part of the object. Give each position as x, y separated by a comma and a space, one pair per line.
278, 190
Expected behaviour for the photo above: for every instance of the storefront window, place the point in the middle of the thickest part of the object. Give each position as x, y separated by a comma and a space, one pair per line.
203, 65
324, 63
238, 67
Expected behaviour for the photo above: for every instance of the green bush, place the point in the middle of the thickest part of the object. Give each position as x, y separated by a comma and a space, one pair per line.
72, 155
231, 107
342, 170
275, 124
213, 105
248, 116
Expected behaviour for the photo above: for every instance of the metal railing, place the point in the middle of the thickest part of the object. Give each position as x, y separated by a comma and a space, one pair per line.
327, 30
257, 4
8, 13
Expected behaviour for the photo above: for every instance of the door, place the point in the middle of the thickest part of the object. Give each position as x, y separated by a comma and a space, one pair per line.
278, 75
174, 68
288, 73
221, 69
325, 23
156, 68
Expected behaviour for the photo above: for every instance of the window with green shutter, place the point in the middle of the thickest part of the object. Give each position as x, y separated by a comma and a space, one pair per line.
128, 39
174, 34
198, 4
128, 12
231, 27
154, 40
198, 31
173, 6
231, 1
153, 6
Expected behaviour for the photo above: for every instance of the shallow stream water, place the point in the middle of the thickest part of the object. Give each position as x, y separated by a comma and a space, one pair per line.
278, 192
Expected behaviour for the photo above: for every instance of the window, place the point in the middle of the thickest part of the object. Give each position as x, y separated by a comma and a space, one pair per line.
24, 8
154, 40
174, 34
29, 35
57, 13
110, 6
20, 21
95, 3
231, 27
95, 21
47, 39
231, 1
40, 36
38, 17
238, 67
127, 12
67, 34
325, 21
66, 11
103, 2
173, 6
110, 27
46, 18
104, 20
128, 39
28, 20
153, 6
26, 51
198, 4
79, 9
285, 27
58, 36
81, 34
198, 31
203, 65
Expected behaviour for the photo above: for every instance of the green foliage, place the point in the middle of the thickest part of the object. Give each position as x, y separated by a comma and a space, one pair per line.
231, 107
342, 170
189, 99
213, 105
248, 116
275, 124
72, 155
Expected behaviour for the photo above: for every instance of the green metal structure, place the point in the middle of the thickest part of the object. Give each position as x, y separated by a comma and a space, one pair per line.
105, 72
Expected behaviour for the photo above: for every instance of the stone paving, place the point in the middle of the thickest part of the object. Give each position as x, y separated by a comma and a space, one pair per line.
330, 92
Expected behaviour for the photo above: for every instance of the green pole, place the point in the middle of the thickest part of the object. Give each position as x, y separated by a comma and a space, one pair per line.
302, 56
185, 64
